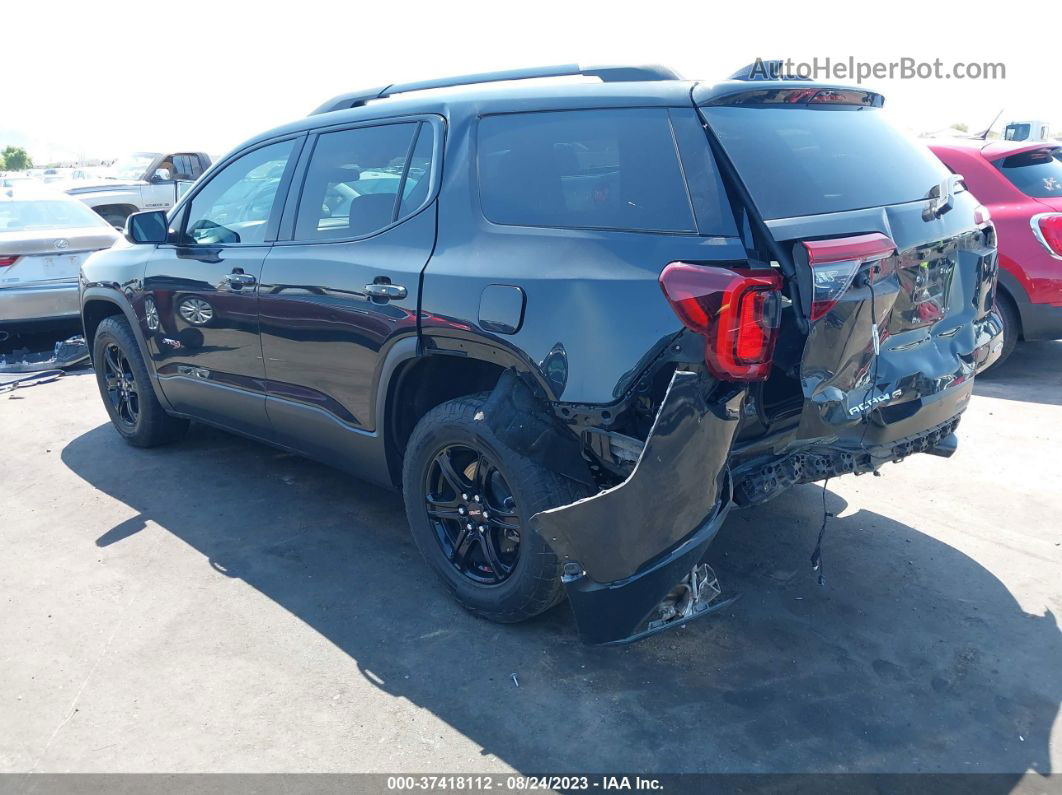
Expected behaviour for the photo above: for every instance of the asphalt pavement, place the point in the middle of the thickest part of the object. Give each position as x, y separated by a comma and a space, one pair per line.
218, 605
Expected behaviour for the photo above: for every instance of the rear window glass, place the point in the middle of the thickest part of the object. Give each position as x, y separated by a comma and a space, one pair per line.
804, 161
603, 169
28, 216
1037, 173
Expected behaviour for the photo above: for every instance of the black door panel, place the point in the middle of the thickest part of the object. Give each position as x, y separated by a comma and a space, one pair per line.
201, 290
322, 333
208, 333
336, 298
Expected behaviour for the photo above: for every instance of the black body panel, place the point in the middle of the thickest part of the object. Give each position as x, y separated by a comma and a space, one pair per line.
322, 334
624, 548
206, 349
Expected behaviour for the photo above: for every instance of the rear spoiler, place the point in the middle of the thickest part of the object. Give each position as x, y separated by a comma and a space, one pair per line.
787, 95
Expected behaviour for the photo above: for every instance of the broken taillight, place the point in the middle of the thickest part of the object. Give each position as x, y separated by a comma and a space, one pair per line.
835, 263
736, 311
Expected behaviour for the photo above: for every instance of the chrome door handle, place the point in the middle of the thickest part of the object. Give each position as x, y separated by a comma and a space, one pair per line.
240, 279
386, 291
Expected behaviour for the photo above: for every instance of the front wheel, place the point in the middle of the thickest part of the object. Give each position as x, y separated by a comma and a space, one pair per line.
469, 500
126, 389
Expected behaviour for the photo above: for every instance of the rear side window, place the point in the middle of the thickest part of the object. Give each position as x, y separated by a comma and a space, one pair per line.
362, 180
1037, 173
599, 169
807, 161
710, 202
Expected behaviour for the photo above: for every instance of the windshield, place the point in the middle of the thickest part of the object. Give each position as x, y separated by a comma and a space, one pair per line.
1037, 173
44, 214
131, 166
805, 161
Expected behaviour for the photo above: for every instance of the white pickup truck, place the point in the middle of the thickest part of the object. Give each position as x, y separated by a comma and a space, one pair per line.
140, 181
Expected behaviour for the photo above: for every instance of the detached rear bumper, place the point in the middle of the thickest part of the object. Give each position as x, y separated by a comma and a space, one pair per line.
38, 302
625, 549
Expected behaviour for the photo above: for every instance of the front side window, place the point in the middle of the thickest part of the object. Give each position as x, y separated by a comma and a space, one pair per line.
362, 180
235, 205
603, 169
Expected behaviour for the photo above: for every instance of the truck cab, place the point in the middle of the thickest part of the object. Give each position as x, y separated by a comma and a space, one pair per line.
141, 181
1031, 130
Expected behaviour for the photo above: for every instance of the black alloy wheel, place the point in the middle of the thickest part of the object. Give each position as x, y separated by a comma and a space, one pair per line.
122, 388
473, 512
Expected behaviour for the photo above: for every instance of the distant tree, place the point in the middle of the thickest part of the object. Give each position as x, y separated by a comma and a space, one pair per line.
16, 158
3, 162
960, 126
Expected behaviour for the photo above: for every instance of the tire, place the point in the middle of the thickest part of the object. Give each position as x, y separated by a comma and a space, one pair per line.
533, 584
140, 420
1011, 328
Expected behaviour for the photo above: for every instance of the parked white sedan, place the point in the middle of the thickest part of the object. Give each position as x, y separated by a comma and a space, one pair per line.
44, 237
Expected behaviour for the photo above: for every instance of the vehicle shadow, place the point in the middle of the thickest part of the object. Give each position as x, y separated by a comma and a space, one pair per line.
1033, 373
913, 657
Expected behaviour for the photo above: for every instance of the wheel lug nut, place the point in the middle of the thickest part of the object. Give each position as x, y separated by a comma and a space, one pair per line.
468, 526
464, 496
486, 515
461, 511
482, 528
476, 498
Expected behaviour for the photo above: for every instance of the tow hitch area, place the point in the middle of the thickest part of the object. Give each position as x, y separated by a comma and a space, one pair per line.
631, 555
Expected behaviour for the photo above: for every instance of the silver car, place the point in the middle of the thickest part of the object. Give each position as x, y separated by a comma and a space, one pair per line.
44, 238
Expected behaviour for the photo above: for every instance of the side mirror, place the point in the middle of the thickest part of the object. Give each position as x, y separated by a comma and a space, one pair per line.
147, 227
161, 175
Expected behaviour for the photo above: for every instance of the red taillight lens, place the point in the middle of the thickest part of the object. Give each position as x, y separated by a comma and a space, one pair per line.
5, 261
735, 311
1048, 230
835, 263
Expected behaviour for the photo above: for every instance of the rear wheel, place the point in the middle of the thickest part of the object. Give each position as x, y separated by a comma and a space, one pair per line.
1011, 327
126, 389
469, 500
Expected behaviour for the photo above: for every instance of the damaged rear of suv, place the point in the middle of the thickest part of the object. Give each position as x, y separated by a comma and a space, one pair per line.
620, 310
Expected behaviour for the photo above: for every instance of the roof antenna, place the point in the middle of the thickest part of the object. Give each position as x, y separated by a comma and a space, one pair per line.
984, 135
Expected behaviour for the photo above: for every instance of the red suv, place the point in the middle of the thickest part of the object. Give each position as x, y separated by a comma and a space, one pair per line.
1021, 185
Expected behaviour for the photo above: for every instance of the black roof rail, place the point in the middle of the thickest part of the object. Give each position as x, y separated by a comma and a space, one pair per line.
608, 74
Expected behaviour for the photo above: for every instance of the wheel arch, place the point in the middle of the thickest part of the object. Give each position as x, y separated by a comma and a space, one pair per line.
121, 207
97, 304
417, 384
1012, 290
